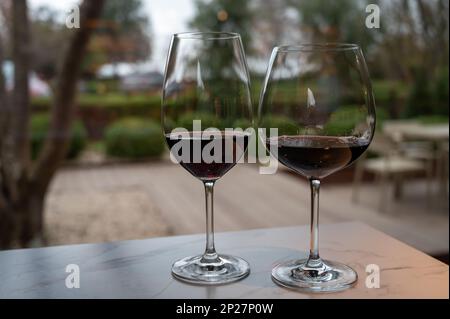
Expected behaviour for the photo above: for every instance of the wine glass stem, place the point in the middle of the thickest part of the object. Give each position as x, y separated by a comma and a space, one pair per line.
210, 252
314, 258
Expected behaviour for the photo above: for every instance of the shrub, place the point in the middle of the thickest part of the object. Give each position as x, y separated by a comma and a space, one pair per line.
441, 92
432, 119
344, 120
382, 115
391, 96
109, 106
384, 89
208, 120
285, 125
420, 98
39, 127
169, 124
134, 138
242, 123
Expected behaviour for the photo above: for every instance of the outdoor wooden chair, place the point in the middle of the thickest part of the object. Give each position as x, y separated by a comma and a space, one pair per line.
391, 165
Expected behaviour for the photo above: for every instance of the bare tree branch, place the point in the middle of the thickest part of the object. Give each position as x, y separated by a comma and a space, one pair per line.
64, 102
5, 182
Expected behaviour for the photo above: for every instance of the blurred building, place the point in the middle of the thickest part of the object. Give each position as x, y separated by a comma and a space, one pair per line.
38, 87
139, 82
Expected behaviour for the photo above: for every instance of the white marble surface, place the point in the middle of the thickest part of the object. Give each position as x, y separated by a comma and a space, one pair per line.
141, 268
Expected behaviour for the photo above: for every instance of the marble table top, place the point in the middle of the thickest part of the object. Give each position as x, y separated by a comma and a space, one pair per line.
141, 268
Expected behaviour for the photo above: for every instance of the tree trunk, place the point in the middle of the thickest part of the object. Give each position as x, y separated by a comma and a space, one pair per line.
6, 215
22, 187
7, 227
22, 223
31, 220
21, 96
14, 151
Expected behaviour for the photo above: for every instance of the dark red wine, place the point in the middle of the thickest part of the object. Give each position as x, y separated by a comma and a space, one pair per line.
207, 157
317, 156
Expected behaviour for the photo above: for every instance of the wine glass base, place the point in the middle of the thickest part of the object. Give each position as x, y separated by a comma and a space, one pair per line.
222, 270
333, 276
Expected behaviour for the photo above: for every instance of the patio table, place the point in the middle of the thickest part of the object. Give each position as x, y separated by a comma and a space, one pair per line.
432, 133
438, 134
141, 268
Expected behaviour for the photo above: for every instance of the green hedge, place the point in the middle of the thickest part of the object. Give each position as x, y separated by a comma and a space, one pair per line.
39, 128
109, 101
391, 96
441, 92
428, 95
242, 123
207, 120
344, 120
341, 122
285, 125
384, 92
432, 119
134, 138
382, 115
109, 106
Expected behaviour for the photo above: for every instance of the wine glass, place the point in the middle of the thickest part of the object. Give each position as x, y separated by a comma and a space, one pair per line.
206, 107
320, 99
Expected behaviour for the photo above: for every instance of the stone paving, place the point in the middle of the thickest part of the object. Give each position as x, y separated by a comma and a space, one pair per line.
131, 201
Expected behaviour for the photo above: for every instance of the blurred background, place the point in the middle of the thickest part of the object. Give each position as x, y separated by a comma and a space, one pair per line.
90, 164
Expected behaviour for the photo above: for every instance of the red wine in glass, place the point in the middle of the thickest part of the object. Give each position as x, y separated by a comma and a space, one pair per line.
224, 151
317, 156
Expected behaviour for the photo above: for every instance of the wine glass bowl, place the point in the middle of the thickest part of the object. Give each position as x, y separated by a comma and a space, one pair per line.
206, 96
320, 99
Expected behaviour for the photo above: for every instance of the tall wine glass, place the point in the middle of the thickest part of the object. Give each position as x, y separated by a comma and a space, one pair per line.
320, 99
206, 100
